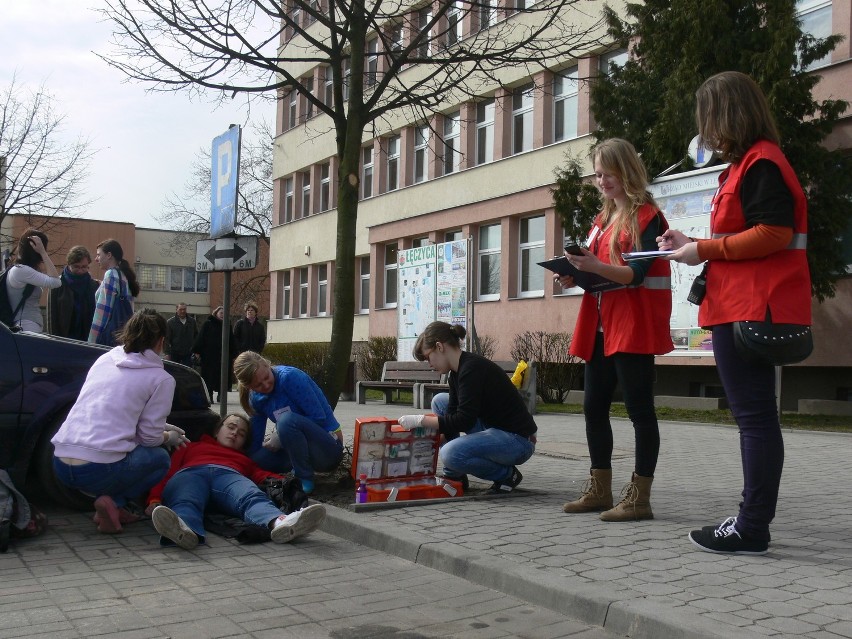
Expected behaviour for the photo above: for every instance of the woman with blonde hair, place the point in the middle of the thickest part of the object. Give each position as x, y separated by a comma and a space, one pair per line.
306, 437
619, 331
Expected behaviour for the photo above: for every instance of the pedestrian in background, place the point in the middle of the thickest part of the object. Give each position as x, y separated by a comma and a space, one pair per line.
208, 348
499, 432
306, 437
111, 443
182, 331
249, 333
31, 271
619, 331
71, 307
757, 269
114, 297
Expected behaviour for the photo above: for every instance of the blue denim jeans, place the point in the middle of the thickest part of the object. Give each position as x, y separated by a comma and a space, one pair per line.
192, 489
305, 447
750, 389
140, 470
485, 452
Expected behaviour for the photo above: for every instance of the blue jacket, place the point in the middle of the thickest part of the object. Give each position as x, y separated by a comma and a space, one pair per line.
295, 390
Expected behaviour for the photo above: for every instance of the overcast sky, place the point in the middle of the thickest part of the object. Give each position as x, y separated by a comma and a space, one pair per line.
146, 140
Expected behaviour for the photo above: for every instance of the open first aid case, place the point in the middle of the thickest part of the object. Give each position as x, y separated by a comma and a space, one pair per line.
399, 464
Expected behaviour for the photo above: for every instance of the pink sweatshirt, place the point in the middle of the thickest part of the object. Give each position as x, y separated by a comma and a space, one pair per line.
123, 404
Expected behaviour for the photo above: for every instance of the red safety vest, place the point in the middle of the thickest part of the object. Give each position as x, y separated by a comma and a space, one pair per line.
744, 289
635, 319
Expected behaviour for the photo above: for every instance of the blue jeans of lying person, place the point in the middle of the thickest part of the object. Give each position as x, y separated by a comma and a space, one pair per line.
485, 452
305, 447
140, 470
193, 489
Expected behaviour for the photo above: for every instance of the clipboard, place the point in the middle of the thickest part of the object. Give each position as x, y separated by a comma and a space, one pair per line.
591, 282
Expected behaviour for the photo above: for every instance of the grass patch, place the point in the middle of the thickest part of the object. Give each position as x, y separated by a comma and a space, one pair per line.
830, 423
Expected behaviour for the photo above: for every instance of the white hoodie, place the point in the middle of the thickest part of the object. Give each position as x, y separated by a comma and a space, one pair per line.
124, 403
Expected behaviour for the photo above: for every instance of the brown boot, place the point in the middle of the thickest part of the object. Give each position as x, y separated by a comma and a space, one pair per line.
635, 503
597, 493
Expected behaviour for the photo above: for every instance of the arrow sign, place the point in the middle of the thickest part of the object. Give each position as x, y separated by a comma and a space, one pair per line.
233, 253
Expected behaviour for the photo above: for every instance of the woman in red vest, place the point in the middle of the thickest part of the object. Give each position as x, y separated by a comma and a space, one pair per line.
620, 330
756, 264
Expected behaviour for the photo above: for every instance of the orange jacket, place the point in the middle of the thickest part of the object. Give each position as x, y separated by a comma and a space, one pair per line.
635, 319
744, 289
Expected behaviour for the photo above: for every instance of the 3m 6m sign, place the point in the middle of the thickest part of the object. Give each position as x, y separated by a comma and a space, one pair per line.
226, 254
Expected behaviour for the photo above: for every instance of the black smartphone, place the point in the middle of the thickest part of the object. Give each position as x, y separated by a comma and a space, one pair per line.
573, 249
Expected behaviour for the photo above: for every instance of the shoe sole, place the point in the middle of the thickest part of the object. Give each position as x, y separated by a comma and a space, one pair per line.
726, 552
167, 523
310, 519
107, 516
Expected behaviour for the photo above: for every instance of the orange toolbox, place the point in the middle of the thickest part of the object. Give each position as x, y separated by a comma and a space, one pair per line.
399, 464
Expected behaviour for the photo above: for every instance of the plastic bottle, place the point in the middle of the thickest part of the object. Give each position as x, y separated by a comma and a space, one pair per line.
361, 490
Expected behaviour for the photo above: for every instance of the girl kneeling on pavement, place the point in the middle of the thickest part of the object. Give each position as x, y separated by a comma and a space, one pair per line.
216, 472
482, 403
110, 445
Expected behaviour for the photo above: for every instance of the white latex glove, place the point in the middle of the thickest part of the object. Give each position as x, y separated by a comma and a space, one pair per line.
271, 440
410, 422
174, 437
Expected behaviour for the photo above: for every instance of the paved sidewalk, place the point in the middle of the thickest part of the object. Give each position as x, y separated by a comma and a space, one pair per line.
642, 579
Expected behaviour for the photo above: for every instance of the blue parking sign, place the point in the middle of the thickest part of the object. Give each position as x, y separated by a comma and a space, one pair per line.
224, 182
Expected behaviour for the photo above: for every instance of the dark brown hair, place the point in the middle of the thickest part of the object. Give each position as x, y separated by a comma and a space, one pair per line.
435, 332
114, 248
142, 331
26, 254
732, 114
77, 254
240, 416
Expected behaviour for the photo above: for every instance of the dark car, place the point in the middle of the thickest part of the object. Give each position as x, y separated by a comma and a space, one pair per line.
40, 378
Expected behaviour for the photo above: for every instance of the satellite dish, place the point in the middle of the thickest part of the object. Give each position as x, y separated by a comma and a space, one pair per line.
700, 155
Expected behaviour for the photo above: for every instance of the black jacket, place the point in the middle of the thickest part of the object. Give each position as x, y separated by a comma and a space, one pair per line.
249, 336
181, 337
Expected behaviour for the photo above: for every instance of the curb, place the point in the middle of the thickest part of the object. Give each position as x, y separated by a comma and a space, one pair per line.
590, 603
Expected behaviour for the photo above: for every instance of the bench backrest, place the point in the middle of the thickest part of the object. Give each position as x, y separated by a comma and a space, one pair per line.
394, 371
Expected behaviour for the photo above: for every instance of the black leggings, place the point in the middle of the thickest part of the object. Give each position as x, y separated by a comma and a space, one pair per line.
635, 374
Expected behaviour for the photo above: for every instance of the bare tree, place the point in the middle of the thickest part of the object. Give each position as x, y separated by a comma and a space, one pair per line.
422, 62
41, 171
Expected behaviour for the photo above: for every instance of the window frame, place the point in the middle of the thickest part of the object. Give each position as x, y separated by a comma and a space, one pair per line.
393, 156
390, 272
306, 193
490, 251
523, 102
364, 280
421, 153
529, 247
485, 126
566, 103
367, 171
322, 290
325, 186
289, 199
451, 139
304, 299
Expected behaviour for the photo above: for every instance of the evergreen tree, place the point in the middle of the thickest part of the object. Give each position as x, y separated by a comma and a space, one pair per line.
675, 45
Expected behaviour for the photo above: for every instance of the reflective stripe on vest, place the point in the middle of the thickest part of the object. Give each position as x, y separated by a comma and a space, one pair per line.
656, 283
799, 241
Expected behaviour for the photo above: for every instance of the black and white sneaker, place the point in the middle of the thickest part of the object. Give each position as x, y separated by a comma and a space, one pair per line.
727, 540
507, 485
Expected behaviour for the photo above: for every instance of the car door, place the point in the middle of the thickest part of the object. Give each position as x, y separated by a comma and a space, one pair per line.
11, 393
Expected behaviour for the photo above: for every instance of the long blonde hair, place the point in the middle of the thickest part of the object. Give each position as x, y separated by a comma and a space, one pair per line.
246, 366
619, 158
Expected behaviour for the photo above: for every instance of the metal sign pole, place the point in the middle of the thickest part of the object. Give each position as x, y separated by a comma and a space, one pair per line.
225, 372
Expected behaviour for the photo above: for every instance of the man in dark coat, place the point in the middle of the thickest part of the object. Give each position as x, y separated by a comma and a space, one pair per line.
70, 307
182, 331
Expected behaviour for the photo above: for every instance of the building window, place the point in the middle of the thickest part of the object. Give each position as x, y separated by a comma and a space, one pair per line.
286, 289
364, 297
452, 130
565, 105
371, 64
453, 236
306, 193
308, 83
484, 132
393, 163
421, 151
296, 15
322, 290
347, 77
289, 199
489, 262
154, 277
367, 173
617, 58
487, 13
310, 16
390, 275
531, 252
815, 16
424, 15
522, 118
303, 291
454, 24
325, 186
395, 38
417, 242
292, 109
328, 87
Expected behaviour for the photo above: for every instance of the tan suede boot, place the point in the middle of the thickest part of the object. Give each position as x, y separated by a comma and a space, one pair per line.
635, 503
597, 493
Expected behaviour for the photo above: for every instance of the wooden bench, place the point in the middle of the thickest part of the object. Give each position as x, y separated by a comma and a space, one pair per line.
424, 392
398, 376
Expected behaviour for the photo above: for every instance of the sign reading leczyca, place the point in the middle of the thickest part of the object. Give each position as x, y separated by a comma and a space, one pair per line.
224, 182
226, 254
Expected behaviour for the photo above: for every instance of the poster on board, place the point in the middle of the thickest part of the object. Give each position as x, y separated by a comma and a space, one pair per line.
452, 283
416, 288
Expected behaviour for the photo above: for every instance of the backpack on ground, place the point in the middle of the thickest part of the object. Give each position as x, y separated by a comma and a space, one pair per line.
18, 518
7, 313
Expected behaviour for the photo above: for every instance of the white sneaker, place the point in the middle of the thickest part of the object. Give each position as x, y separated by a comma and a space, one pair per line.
170, 526
301, 522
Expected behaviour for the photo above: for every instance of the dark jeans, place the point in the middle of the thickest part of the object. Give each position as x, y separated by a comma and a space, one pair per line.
635, 374
305, 447
750, 390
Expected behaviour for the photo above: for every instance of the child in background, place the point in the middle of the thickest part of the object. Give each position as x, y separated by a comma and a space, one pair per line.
216, 471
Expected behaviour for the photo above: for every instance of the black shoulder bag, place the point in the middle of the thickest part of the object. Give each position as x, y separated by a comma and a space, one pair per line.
774, 344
